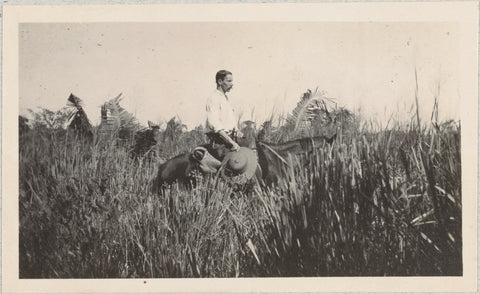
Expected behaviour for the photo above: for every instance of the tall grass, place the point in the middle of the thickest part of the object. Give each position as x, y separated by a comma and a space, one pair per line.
354, 212
385, 202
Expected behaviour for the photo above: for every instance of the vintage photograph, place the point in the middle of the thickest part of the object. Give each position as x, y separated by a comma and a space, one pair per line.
240, 149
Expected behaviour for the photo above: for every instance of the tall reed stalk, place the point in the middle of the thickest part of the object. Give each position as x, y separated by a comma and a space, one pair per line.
374, 203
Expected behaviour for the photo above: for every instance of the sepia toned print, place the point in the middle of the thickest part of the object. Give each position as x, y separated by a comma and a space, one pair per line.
242, 149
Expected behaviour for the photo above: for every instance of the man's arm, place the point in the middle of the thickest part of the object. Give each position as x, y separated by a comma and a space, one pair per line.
213, 119
227, 138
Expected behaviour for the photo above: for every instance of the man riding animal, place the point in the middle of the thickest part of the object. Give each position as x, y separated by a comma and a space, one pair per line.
220, 113
238, 164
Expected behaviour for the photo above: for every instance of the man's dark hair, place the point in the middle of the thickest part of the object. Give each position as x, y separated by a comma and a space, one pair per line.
221, 74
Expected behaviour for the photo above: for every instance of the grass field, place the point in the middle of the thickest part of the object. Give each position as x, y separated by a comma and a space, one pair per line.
377, 202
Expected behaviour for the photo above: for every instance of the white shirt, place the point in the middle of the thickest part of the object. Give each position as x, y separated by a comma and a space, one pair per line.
220, 114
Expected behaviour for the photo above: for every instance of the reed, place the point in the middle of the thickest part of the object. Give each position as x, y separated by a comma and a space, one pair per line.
376, 202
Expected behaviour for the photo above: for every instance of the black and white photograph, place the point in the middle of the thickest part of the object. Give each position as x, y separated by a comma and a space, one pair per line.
213, 141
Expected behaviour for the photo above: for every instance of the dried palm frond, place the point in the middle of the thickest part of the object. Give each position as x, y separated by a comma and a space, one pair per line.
116, 119
74, 101
78, 120
312, 106
116, 115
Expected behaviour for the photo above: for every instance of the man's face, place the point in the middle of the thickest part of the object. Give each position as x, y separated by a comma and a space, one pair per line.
227, 83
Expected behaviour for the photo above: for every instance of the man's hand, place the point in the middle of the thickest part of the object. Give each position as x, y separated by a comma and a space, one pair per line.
229, 140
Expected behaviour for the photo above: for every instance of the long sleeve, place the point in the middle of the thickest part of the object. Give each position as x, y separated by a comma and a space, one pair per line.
213, 115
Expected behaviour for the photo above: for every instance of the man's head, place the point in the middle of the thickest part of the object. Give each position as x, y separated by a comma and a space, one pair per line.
224, 80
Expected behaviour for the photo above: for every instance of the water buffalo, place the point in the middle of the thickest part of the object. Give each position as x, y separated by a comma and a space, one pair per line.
273, 157
205, 159
146, 141
249, 133
182, 168
78, 121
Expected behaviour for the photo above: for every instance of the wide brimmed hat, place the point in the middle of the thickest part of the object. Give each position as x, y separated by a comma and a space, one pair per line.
240, 166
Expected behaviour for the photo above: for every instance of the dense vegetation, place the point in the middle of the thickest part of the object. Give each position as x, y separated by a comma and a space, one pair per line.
379, 201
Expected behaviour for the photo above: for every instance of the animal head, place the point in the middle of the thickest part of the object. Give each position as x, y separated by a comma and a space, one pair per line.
205, 161
183, 167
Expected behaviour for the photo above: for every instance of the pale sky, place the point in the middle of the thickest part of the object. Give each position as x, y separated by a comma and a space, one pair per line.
168, 69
